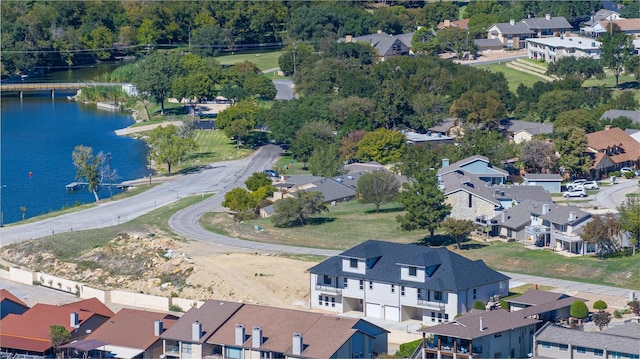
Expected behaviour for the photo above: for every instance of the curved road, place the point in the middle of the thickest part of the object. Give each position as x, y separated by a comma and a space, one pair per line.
612, 196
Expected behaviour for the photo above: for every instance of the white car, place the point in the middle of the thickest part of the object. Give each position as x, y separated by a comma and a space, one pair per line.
625, 170
590, 185
576, 192
576, 184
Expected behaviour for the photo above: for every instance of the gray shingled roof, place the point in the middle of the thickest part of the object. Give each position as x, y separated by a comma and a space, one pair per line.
598, 16
516, 29
444, 125
613, 114
557, 22
454, 272
534, 128
482, 43
382, 42
520, 215
212, 315
556, 334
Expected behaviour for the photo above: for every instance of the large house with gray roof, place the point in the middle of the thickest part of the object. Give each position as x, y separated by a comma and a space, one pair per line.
386, 45
610, 115
398, 282
514, 35
522, 131
620, 341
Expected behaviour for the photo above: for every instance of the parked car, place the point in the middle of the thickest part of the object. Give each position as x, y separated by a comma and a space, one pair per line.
271, 173
625, 170
576, 184
576, 192
590, 185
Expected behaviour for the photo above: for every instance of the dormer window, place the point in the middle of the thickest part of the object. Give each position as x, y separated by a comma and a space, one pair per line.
353, 263
413, 271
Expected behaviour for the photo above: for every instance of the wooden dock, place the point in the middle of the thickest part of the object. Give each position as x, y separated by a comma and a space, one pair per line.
75, 185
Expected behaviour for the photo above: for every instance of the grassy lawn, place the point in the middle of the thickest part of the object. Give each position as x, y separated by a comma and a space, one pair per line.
212, 146
264, 60
514, 77
534, 62
288, 166
68, 246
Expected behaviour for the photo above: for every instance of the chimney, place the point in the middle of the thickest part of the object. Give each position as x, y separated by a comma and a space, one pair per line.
256, 337
447, 23
512, 22
196, 331
445, 162
379, 32
481, 325
297, 344
157, 328
545, 208
572, 216
74, 320
547, 16
607, 127
503, 216
239, 334
348, 38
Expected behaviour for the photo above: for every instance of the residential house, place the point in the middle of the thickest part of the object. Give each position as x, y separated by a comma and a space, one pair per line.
10, 304
432, 138
482, 334
522, 131
610, 150
460, 24
543, 305
551, 182
220, 329
513, 35
488, 46
385, 45
133, 333
619, 341
477, 165
28, 333
630, 27
610, 115
398, 282
448, 127
552, 49
592, 27
548, 26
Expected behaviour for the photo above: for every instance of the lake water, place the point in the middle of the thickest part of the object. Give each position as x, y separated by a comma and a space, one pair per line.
38, 135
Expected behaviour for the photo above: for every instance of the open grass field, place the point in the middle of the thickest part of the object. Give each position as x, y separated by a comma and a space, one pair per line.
264, 60
514, 77
212, 146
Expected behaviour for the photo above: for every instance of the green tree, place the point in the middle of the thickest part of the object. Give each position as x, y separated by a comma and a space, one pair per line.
147, 33
423, 202
167, 146
582, 68
570, 143
551, 103
349, 145
617, 53
436, 12
239, 199
603, 231
580, 118
58, 336
257, 180
424, 41
599, 305
88, 167
478, 304
325, 161
482, 109
304, 54
454, 40
311, 136
629, 212
238, 120
538, 155
209, 40
382, 145
298, 208
601, 319
579, 310
378, 187
459, 229
156, 75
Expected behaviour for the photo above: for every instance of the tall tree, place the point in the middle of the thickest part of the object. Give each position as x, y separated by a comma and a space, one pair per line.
298, 208
571, 142
603, 231
423, 202
168, 147
581, 68
312, 135
459, 229
238, 120
537, 156
58, 336
630, 219
479, 109
617, 53
378, 187
325, 161
156, 75
88, 167
382, 145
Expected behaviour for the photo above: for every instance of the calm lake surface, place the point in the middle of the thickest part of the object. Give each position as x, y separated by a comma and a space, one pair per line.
38, 135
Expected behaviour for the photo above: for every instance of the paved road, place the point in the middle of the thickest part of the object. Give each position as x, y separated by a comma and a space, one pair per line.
614, 195
284, 89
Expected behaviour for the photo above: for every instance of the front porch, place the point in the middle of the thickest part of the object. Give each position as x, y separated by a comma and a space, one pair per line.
449, 348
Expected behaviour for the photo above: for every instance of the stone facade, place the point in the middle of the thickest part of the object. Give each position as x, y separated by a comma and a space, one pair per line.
460, 208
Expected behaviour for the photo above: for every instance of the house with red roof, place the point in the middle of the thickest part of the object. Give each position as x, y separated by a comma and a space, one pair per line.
610, 150
10, 304
28, 333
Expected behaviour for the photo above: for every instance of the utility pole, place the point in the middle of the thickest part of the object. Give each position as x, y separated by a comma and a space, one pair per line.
110, 176
295, 47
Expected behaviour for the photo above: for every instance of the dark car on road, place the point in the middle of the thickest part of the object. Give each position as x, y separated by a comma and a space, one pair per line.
271, 173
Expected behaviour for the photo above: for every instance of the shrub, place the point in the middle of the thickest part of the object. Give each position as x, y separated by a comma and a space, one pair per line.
478, 304
634, 305
175, 308
601, 319
600, 305
579, 310
616, 314
406, 349
505, 305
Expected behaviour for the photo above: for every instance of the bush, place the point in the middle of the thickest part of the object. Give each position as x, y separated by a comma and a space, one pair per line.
175, 308
478, 304
579, 310
629, 175
634, 305
505, 305
616, 314
600, 305
406, 349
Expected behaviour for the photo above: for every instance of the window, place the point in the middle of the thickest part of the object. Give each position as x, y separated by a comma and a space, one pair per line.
437, 295
233, 353
402, 290
563, 347
546, 345
470, 200
433, 316
413, 271
598, 352
370, 285
446, 316
474, 293
327, 280
319, 300
333, 302
440, 317
186, 348
615, 355
345, 282
393, 288
353, 263
326, 301
361, 284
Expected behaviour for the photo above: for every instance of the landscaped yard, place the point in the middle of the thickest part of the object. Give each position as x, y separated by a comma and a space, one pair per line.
264, 60
514, 77
212, 146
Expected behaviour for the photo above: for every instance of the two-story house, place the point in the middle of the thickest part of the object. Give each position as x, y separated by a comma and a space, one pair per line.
548, 26
403, 281
557, 227
512, 34
592, 28
610, 150
552, 49
220, 329
386, 45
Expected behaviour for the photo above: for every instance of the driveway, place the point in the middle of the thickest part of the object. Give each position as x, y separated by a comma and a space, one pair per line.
611, 197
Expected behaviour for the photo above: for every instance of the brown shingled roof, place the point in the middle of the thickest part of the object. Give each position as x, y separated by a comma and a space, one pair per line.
132, 328
602, 140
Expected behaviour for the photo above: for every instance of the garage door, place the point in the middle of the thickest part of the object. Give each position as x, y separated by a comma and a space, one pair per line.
374, 310
392, 313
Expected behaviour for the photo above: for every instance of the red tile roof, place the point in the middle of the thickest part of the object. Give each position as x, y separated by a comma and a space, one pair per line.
132, 328
6, 295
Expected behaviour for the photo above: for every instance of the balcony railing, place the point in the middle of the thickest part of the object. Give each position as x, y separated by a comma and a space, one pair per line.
172, 350
485, 221
328, 288
431, 304
536, 230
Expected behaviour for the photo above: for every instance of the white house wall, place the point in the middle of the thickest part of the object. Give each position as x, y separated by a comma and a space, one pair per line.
360, 269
